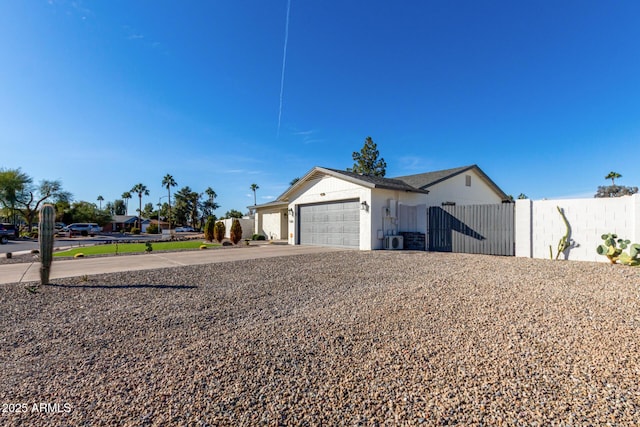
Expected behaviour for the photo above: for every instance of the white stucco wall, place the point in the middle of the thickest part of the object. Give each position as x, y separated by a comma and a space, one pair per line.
538, 225
381, 219
245, 223
385, 214
272, 224
331, 189
455, 190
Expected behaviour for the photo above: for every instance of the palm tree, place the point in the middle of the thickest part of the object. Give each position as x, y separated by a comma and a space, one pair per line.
126, 196
141, 189
212, 194
100, 199
294, 180
253, 188
612, 176
168, 182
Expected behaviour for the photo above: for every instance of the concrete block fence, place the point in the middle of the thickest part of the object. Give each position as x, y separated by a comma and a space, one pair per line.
538, 225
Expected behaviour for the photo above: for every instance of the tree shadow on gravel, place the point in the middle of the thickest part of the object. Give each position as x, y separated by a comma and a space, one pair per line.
139, 286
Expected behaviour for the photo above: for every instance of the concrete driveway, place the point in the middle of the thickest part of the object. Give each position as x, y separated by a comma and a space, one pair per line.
12, 273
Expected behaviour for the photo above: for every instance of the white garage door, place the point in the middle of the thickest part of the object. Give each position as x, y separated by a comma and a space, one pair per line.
330, 224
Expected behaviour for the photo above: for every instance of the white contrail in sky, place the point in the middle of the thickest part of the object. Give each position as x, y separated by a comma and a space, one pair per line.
284, 62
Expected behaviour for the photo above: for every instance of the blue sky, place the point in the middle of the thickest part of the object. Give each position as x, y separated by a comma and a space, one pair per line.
543, 95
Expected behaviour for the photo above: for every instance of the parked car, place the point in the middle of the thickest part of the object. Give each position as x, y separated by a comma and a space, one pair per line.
11, 230
82, 228
5, 234
185, 229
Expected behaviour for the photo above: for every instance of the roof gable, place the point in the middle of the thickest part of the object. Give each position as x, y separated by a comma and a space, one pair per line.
426, 180
363, 180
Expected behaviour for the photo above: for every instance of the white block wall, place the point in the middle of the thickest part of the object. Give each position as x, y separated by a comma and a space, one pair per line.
538, 225
245, 223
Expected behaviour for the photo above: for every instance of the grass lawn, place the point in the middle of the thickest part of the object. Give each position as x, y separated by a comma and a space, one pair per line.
133, 247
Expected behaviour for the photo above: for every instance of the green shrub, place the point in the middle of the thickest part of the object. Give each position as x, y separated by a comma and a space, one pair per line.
153, 229
218, 231
208, 228
235, 234
258, 237
135, 230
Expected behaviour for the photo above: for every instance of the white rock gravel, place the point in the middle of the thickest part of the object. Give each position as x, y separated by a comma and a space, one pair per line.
344, 338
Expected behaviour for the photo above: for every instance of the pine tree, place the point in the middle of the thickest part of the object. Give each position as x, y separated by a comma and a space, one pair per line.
367, 161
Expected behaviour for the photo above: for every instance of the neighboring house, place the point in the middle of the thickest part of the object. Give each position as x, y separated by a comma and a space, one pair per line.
121, 223
163, 225
332, 207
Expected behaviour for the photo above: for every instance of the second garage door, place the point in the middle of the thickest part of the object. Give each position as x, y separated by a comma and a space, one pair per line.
330, 224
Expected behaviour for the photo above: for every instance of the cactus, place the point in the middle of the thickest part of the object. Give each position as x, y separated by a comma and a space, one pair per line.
613, 248
45, 237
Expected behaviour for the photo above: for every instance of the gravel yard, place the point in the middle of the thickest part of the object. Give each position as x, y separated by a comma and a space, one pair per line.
341, 338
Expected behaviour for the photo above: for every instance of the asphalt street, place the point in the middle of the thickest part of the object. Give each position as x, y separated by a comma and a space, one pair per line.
20, 245
26, 272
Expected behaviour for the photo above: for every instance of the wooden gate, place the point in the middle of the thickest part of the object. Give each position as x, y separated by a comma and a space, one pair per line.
473, 229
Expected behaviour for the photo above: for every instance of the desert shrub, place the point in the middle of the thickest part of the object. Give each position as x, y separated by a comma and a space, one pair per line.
152, 229
218, 231
135, 230
208, 228
258, 237
235, 234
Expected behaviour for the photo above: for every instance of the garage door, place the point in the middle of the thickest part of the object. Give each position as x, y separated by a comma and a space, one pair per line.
330, 224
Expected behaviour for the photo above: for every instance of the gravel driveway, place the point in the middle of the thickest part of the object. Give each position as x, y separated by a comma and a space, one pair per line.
341, 338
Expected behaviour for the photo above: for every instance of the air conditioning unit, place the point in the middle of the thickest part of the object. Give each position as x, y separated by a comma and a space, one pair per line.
393, 242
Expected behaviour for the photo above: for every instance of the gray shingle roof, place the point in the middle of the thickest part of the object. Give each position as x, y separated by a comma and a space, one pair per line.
379, 182
418, 183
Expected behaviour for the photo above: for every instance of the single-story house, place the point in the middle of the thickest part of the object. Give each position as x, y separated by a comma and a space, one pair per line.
333, 207
163, 225
121, 223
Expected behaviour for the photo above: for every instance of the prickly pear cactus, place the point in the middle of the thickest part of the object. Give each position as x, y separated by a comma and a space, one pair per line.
45, 237
613, 249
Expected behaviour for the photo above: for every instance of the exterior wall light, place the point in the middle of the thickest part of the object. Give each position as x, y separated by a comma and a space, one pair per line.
291, 212
364, 206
